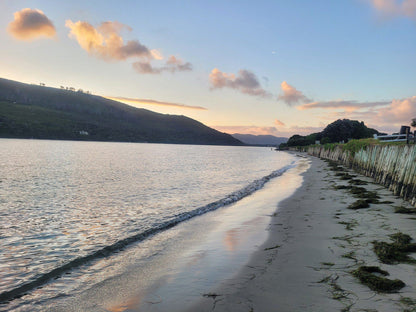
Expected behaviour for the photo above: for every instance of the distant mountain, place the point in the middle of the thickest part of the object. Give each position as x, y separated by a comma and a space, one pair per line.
251, 139
31, 111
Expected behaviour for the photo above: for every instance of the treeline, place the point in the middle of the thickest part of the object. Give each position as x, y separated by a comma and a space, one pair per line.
340, 130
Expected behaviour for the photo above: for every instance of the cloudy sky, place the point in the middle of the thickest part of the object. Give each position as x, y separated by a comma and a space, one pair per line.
261, 67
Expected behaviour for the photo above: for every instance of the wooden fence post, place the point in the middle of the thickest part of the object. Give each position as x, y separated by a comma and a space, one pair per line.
407, 135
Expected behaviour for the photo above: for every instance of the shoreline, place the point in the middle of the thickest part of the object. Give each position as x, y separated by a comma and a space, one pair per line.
174, 269
314, 244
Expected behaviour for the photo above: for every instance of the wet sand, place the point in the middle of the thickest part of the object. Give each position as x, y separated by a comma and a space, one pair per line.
314, 244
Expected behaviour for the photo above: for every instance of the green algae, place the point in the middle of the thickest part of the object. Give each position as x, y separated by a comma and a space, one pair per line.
359, 204
370, 276
401, 209
396, 251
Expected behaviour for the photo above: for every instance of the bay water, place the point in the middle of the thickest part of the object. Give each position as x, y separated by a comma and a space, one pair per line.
64, 204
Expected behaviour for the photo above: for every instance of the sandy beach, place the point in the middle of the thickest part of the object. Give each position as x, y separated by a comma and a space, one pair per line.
315, 243
263, 253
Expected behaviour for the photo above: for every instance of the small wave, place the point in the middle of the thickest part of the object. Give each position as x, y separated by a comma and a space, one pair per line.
121, 244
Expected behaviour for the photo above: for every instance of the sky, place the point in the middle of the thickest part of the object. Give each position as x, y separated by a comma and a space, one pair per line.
259, 67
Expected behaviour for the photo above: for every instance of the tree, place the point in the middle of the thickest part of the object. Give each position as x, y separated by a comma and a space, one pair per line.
325, 140
413, 124
338, 131
345, 129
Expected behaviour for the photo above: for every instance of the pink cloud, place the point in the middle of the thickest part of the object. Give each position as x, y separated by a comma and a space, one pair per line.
291, 96
264, 130
106, 42
396, 8
145, 68
386, 118
342, 104
30, 24
279, 123
173, 65
399, 111
153, 102
245, 81
255, 130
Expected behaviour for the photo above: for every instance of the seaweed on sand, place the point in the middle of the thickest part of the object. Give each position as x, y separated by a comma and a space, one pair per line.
370, 276
344, 176
349, 225
342, 187
401, 209
362, 193
357, 182
359, 204
397, 251
334, 166
337, 292
408, 301
357, 190
270, 248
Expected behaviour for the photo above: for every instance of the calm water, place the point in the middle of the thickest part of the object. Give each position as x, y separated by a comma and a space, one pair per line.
62, 200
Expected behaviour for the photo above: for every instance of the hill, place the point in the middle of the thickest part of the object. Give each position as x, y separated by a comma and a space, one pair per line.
31, 111
338, 131
262, 140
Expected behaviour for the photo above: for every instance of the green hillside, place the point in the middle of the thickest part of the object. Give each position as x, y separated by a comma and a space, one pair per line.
31, 111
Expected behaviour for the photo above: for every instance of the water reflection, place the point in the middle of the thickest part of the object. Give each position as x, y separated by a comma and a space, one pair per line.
189, 266
63, 200
131, 304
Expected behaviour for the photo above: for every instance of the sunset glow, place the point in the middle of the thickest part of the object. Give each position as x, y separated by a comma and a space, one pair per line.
269, 67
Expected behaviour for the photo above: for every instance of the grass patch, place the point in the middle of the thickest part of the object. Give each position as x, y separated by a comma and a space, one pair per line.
354, 146
397, 251
370, 276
